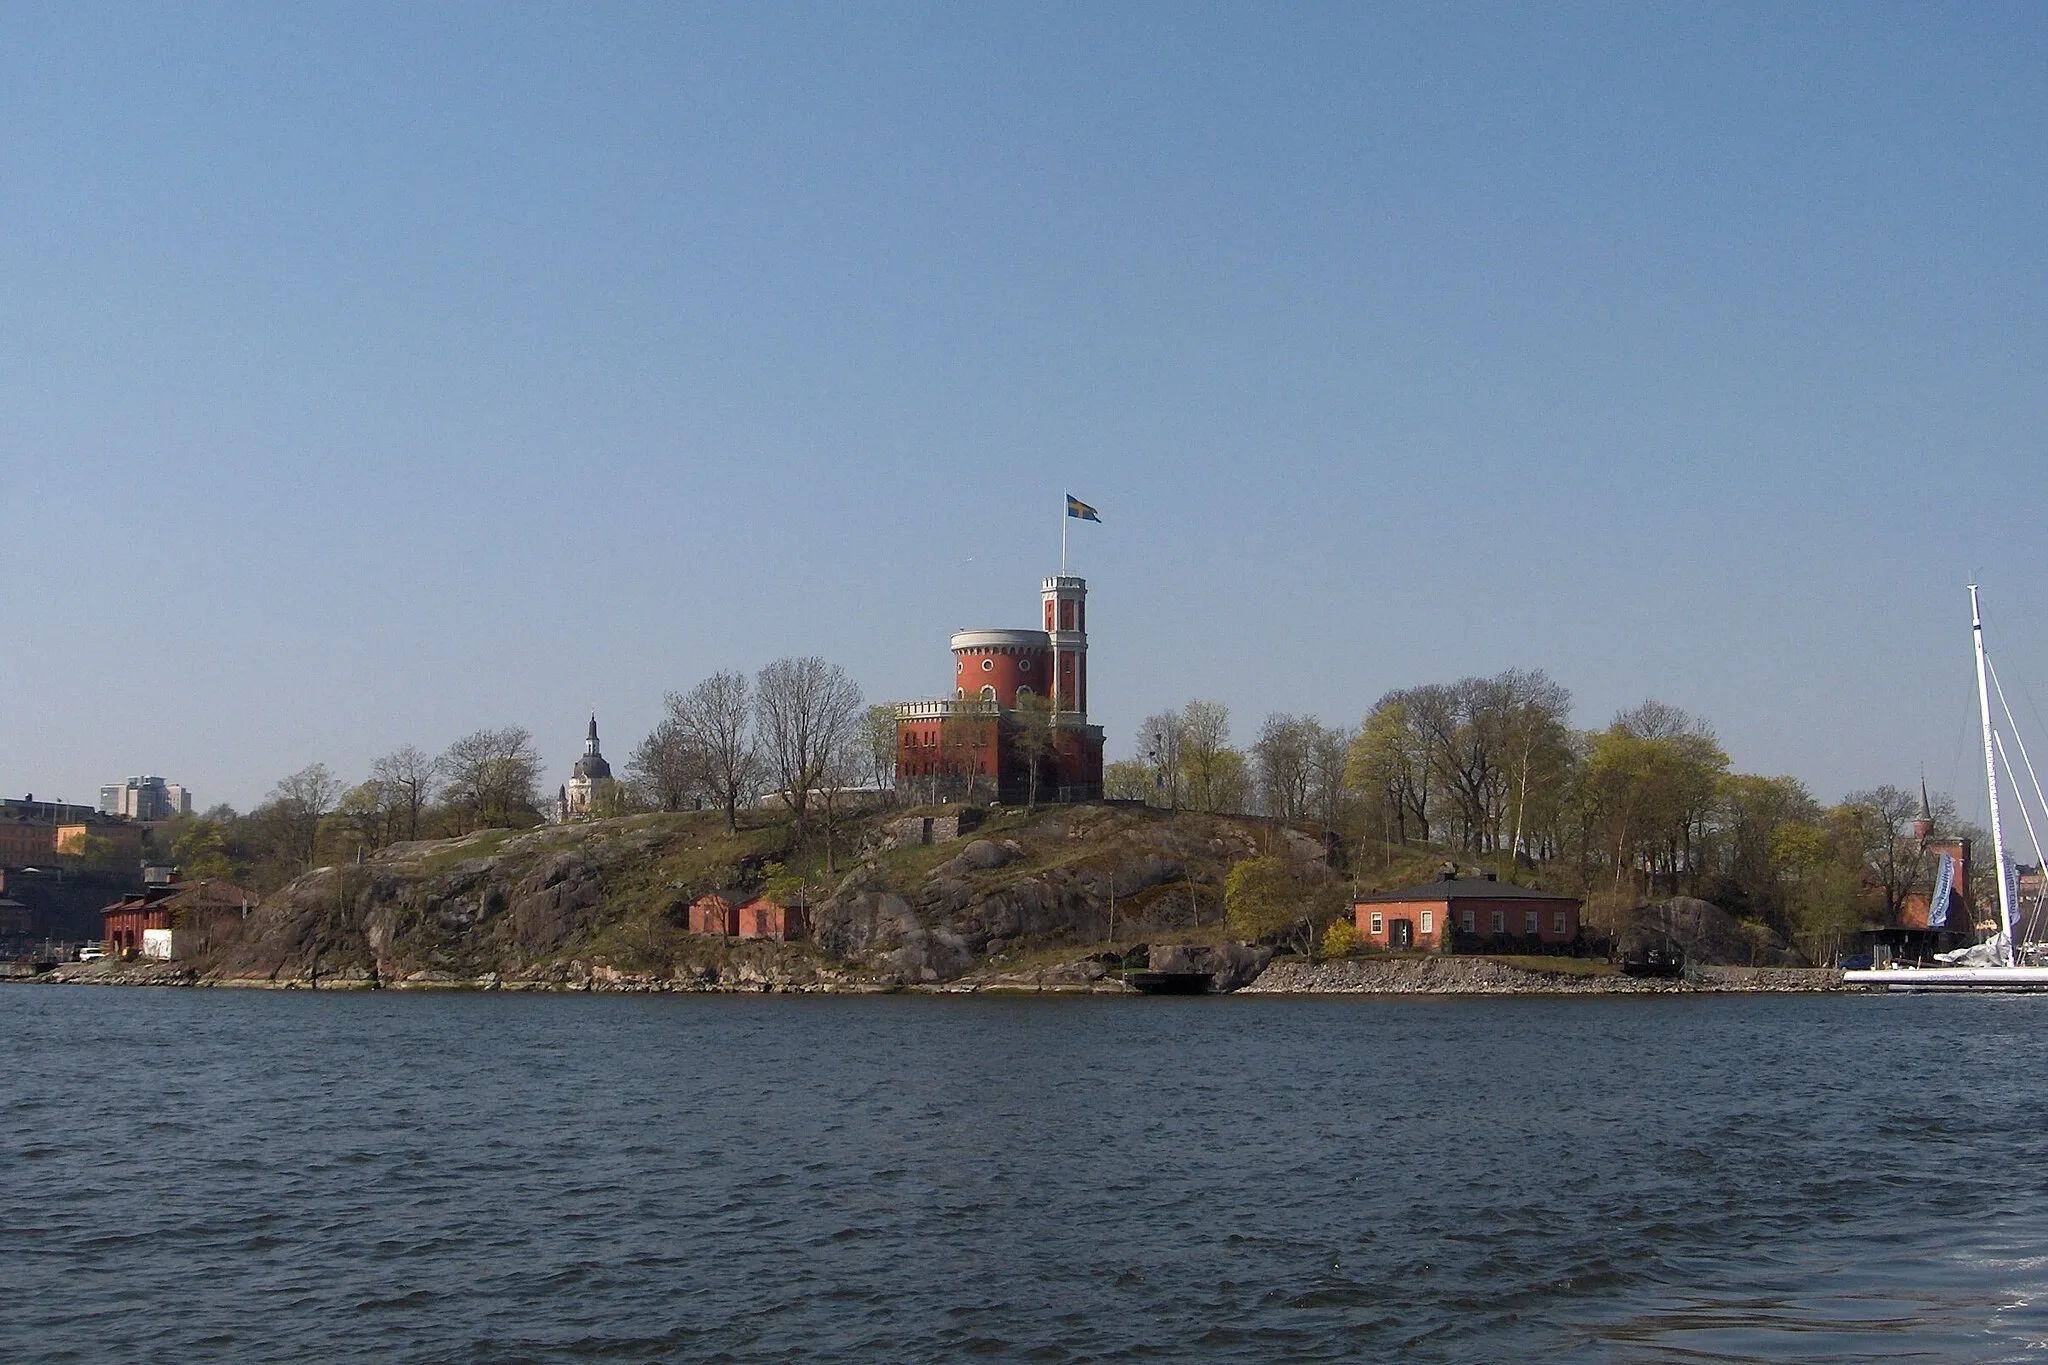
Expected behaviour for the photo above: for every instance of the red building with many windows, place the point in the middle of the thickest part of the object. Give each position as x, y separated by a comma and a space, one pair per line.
1466, 912
1017, 694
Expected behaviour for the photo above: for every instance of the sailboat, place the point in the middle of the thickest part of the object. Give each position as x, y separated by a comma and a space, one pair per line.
1999, 964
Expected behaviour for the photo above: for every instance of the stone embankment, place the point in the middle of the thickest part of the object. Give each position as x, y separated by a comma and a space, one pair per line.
1480, 976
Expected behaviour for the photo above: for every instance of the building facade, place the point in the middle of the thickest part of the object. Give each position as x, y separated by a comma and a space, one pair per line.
183, 920
1019, 703
1472, 913
145, 798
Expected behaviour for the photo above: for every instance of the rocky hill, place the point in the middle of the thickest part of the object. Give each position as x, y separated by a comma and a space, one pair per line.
604, 902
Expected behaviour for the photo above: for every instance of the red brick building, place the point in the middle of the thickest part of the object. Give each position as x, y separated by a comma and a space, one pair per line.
967, 746
1472, 913
763, 918
187, 918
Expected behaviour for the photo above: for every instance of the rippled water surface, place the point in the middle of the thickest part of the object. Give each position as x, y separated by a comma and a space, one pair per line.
216, 1175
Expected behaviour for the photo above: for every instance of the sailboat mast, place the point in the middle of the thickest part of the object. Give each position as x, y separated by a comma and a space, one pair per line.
1991, 779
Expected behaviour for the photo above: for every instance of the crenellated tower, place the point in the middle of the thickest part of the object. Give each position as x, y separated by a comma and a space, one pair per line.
1066, 622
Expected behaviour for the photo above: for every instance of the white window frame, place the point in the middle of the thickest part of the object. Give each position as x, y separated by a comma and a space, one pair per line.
1500, 921
1379, 923
1532, 922
1557, 923
1428, 922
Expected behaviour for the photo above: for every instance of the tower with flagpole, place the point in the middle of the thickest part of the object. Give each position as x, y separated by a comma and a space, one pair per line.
1019, 703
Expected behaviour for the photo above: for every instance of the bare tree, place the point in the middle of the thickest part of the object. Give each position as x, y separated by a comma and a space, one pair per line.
301, 802
845, 759
1031, 740
1283, 759
1159, 739
807, 710
667, 764
405, 781
492, 774
1329, 792
715, 722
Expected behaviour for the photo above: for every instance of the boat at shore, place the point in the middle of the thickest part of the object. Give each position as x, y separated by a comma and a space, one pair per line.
2000, 964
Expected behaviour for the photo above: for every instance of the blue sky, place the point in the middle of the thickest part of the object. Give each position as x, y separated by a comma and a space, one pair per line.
372, 374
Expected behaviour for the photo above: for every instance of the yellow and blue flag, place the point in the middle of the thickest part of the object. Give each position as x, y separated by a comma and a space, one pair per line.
1077, 508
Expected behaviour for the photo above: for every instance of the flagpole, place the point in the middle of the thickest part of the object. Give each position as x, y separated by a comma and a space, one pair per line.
1064, 519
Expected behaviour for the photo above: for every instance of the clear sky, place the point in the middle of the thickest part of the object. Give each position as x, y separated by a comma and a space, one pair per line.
372, 374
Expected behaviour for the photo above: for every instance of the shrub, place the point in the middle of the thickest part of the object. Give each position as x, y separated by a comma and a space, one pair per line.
1340, 938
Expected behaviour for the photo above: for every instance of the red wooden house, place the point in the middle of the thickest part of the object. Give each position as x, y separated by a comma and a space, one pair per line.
763, 918
712, 913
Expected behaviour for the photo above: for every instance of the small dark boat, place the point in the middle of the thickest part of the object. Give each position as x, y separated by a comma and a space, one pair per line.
1171, 983
1656, 963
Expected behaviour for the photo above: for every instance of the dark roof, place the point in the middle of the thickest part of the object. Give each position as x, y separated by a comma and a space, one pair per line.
593, 767
1466, 888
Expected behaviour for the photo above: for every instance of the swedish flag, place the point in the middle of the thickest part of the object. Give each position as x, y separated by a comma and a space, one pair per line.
1077, 508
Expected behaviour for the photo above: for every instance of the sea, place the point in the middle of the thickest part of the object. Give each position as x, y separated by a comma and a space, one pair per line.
217, 1175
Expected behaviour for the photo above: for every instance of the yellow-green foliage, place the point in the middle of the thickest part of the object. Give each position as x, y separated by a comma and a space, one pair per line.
1262, 896
1340, 938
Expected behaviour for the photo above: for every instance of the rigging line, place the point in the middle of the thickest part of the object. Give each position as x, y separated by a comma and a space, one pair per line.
2025, 695
1999, 740
2033, 918
2028, 762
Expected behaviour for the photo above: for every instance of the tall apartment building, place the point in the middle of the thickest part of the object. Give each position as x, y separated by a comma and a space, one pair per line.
145, 798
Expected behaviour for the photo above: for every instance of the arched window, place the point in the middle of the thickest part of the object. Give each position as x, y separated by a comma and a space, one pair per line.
989, 693
1022, 692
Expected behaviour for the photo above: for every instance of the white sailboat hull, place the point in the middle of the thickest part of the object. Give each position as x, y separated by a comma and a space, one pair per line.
1952, 978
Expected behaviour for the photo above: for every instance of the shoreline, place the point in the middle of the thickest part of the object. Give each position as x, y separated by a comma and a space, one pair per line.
1287, 977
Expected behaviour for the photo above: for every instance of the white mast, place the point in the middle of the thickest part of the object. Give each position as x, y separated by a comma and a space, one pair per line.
1991, 778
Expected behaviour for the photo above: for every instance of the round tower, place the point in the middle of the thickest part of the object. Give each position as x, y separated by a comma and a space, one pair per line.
1066, 621
1000, 665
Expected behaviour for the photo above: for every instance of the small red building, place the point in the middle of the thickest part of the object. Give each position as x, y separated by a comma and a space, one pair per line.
712, 913
1466, 912
763, 918
178, 920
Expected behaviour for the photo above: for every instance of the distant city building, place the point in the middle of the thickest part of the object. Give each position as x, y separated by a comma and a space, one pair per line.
969, 745
33, 832
44, 812
26, 843
145, 798
577, 799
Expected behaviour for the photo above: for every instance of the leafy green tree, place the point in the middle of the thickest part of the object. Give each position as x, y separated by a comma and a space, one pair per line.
1262, 897
1389, 762
200, 850
1277, 898
1127, 779
878, 744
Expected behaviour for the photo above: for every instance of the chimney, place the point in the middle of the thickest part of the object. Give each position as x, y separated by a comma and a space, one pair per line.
1493, 876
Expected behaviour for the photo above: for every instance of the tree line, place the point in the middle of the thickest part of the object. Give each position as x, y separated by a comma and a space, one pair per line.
1490, 770
799, 726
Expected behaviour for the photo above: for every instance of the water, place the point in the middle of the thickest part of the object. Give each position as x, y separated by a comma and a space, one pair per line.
215, 1175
